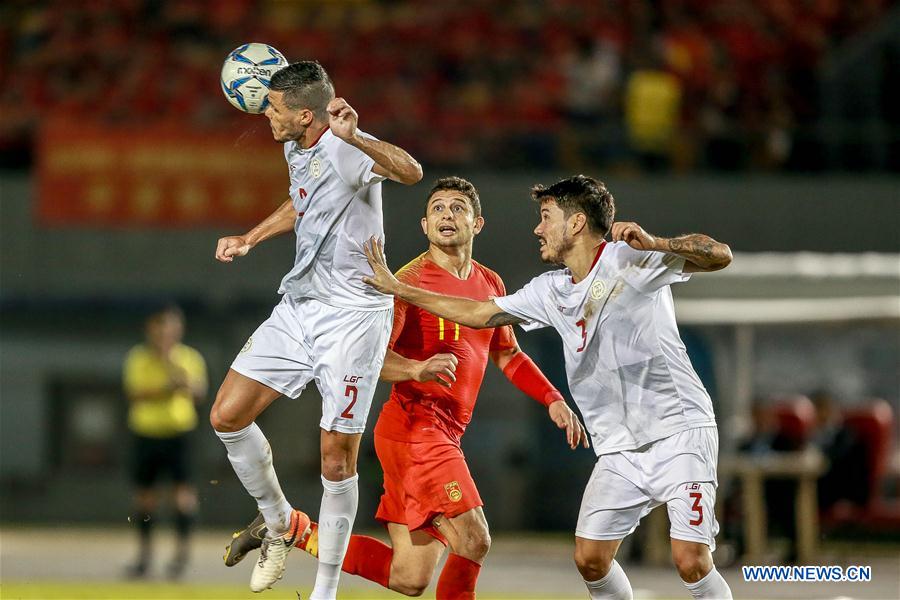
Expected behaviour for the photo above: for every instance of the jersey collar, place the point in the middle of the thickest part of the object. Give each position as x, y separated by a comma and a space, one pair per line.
316, 141
596, 258
431, 261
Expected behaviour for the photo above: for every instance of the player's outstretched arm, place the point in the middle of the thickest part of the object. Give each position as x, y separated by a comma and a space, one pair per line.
391, 161
521, 371
701, 253
440, 368
471, 313
280, 221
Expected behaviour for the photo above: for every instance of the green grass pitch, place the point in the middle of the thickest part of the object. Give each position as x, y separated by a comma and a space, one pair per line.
168, 591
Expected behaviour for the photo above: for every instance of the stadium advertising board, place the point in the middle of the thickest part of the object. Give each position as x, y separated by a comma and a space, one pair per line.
90, 175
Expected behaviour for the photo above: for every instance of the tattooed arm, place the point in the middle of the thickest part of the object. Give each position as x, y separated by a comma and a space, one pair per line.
700, 252
471, 313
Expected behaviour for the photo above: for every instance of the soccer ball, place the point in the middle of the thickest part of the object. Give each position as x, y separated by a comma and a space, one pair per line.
246, 75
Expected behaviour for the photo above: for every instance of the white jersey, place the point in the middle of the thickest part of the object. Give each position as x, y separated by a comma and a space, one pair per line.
338, 202
626, 364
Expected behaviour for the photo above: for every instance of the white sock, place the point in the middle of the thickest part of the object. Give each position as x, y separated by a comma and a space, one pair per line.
711, 587
251, 458
615, 586
336, 515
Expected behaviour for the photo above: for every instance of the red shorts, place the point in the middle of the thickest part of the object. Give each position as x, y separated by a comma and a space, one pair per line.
423, 480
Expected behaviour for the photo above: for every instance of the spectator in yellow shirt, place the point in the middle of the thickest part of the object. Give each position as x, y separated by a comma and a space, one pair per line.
163, 380
653, 114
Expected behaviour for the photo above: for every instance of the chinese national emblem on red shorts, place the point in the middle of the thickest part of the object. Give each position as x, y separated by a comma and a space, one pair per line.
453, 491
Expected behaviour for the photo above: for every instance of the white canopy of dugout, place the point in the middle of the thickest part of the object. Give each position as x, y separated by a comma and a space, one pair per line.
770, 289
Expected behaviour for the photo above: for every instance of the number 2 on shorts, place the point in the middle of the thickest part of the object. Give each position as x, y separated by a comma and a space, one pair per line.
351, 392
697, 496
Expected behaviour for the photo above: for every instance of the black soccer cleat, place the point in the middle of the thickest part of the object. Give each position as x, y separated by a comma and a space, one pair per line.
246, 540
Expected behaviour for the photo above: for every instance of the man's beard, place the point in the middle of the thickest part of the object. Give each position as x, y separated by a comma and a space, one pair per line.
556, 258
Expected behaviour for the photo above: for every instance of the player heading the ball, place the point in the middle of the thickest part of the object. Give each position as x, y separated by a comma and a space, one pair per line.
328, 327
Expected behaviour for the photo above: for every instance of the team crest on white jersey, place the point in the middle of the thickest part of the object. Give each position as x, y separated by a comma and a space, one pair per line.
598, 289
248, 345
315, 168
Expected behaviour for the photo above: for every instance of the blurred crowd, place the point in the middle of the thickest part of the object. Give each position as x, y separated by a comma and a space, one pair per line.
667, 84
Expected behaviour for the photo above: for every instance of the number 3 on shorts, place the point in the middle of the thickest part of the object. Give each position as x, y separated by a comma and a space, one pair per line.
697, 496
351, 392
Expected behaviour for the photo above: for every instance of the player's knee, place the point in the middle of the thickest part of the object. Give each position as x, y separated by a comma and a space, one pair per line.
693, 561
474, 544
224, 419
593, 564
411, 587
337, 464
218, 417
337, 469
145, 500
185, 498
479, 544
409, 582
220, 421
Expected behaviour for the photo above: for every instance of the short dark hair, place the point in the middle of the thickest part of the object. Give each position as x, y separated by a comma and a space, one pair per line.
581, 194
167, 309
458, 184
305, 85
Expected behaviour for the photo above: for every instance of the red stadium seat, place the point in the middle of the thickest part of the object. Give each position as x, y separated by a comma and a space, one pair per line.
795, 418
874, 426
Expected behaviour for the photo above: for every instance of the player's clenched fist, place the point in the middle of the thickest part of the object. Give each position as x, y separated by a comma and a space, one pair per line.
342, 119
229, 247
440, 368
633, 235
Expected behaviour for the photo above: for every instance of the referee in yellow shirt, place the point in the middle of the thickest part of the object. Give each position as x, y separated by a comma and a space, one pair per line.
163, 380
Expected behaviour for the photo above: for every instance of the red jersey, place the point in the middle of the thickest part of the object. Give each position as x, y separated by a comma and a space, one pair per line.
426, 411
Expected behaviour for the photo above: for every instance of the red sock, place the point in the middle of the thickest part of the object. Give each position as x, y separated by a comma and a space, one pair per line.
369, 558
457, 580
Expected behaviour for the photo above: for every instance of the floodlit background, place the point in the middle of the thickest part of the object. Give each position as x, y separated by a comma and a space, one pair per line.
772, 125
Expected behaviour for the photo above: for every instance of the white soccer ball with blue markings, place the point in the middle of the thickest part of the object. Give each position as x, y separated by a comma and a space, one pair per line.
246, 74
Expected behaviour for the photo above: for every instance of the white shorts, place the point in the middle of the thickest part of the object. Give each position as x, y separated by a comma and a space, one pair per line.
342, 349
678, 471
